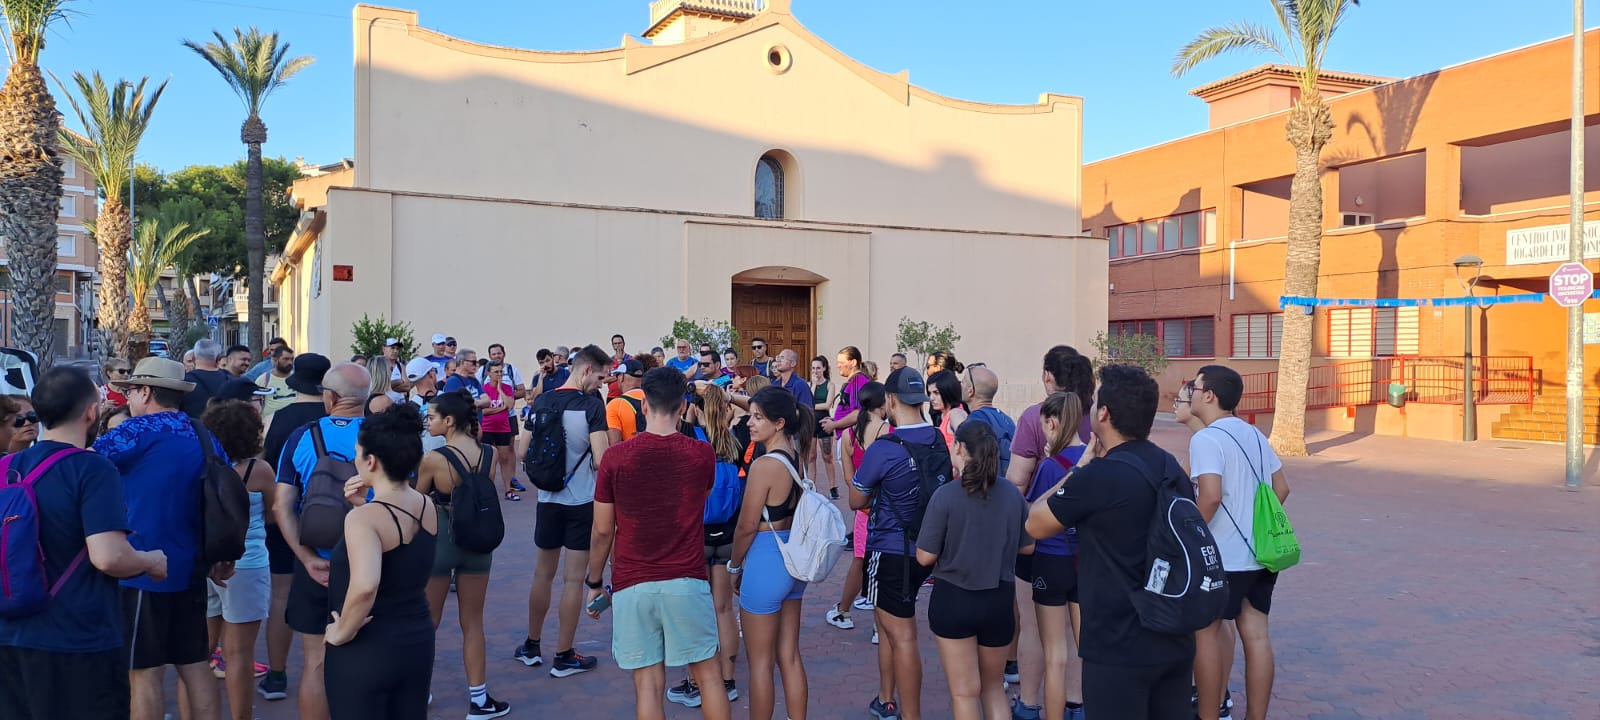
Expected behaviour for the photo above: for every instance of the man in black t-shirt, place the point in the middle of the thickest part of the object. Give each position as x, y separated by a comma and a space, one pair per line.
207, 377
1129, 672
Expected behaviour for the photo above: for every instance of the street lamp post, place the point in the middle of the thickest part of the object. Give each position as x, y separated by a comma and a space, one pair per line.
1469, 402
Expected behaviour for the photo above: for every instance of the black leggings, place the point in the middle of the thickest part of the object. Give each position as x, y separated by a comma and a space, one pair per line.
380, 676
1150, 692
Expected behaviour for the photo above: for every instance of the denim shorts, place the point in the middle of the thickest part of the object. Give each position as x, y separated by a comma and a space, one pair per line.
767, 582
246, 599
668, 621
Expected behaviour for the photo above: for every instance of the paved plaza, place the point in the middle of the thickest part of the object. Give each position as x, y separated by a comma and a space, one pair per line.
1439, 581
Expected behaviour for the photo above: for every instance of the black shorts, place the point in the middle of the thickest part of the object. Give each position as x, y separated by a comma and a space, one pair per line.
164, 628
1253, 585
1024, 569
955, 613
719, 554
893, 582
498, 439
1155, 692
44, 684
719, 543
307, 608
559, 526
280, 559
1055, 579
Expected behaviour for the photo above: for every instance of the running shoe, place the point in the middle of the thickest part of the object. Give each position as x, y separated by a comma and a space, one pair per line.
519, 487
840, 620
732, 688
571, 663
513, 497
862, 603
1013, 675
834, 492
219, 667
528, 653
874, 636
273, 689
884, 710
492, 708
1020, 711
685, 694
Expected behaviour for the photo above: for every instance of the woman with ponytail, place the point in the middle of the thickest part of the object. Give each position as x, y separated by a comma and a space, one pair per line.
970, 536
870, 424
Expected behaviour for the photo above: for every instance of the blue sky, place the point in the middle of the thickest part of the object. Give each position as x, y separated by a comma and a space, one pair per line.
1116, 55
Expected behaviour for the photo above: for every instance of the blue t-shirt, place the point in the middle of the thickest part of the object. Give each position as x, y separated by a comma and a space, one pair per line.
800, 390
1050, 472
300, 455
557, 378
1004, 430
79, 497
762, 367
439, 361
682, 365
470, 384
160, 461
886, 469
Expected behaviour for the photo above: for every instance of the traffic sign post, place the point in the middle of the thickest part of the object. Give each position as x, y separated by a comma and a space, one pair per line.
1571, 284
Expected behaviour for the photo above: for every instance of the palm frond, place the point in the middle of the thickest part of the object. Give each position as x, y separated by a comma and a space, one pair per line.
26, 22
1215, 41
156, 248
114, 119
254, 64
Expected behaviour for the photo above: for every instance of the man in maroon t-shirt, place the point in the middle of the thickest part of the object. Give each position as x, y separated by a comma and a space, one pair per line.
649, 506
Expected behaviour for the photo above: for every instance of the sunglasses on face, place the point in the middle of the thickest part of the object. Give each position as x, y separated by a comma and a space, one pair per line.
25, 420
758, 347
705, 364
120, 371
449, 344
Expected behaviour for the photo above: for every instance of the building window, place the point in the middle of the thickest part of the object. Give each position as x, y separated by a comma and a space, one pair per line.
66, 245
64, 284
1372, 332
69, 168
69, 206
1180, 337
1174, 232
1257, 336
769, 188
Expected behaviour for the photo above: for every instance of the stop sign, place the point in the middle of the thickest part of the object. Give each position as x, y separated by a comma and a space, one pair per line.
1571, 284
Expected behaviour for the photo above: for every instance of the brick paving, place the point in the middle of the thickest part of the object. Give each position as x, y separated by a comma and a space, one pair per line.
1439, 581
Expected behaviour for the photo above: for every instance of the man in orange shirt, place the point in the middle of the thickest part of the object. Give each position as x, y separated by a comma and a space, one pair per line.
624, 412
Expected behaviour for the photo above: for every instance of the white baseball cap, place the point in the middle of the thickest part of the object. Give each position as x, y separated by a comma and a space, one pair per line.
439, 338
418, 367
391, 342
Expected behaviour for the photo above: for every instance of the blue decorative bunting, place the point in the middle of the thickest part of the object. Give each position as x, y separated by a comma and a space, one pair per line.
1296, 301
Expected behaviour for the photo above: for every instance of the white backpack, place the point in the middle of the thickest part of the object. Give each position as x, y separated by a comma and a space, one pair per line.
816, 538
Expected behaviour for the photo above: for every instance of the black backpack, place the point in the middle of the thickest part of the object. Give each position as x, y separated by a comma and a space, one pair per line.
1185, 586
545, 460
932, 465
323, 505
638, 413
475, 518
224, 505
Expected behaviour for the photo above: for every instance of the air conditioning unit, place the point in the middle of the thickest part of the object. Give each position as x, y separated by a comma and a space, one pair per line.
1355, 219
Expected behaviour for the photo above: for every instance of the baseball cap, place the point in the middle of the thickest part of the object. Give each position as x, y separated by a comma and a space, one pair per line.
629, 367
391, 342
906, 384
240, 389
417, 368
438, 338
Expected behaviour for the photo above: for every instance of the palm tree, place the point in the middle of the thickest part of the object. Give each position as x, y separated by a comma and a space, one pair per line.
253, 65
114, 119
1305, 29
30, 175
157, 249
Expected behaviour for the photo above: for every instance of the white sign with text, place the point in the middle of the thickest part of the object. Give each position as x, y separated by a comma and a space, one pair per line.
1548, 243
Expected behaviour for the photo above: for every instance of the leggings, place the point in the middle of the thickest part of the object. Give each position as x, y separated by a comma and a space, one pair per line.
380, 676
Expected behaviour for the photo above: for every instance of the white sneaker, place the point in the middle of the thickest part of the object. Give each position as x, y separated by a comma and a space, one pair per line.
862, 603
874, 636
840, 620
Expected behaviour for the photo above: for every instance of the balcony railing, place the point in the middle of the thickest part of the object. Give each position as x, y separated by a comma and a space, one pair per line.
660, 9
1428, 380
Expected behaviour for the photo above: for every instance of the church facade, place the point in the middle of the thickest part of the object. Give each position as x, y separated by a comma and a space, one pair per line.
730, 166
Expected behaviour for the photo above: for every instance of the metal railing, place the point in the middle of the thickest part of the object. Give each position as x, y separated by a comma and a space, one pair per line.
1428, 380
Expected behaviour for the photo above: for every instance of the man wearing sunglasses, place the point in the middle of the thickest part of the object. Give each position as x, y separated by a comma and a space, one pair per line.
758, 357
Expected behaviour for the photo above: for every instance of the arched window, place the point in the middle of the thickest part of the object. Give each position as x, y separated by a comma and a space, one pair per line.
769, 188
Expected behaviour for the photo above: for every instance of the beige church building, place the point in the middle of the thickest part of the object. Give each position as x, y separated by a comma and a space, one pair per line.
730, 165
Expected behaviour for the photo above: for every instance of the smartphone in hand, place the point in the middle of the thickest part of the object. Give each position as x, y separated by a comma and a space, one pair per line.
600, 604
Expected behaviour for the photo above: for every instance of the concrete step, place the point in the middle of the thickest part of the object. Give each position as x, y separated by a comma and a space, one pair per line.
1589, 438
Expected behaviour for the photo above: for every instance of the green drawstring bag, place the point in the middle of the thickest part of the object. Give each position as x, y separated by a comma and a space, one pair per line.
1275, 545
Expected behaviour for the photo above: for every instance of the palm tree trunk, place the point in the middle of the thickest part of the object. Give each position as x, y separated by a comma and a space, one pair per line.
113, 233
1309, 129
30, 203
254, 134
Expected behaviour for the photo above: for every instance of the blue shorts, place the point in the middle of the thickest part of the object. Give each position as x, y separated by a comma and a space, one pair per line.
669, 621
767, 583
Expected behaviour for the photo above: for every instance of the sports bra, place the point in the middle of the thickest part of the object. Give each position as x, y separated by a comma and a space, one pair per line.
785, 510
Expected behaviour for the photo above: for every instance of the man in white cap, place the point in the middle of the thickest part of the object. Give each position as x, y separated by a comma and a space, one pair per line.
423, 379
397, 376
158, 453
441, 352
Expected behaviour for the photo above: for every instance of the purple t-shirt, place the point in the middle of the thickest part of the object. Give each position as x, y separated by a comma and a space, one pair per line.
847, 397
1045, 477
1030, 441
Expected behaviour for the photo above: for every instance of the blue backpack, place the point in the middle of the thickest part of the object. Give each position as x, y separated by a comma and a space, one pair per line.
727, 493
24, 587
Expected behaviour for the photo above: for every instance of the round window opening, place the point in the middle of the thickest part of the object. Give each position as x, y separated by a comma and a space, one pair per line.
778, 59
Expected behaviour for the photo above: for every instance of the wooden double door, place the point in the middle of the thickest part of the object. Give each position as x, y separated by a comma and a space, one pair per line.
782, 314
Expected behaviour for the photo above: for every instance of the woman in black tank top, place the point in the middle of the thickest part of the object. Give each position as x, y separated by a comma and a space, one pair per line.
379, 660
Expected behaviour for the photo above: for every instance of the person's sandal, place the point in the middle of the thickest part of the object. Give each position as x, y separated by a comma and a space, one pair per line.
513, 497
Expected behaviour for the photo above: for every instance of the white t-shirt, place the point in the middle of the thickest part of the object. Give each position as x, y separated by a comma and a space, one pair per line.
1241, 465
511, 375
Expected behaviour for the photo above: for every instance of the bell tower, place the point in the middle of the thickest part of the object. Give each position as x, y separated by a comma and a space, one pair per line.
676, 21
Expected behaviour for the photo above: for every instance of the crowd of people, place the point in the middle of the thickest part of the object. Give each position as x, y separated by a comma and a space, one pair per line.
668, 489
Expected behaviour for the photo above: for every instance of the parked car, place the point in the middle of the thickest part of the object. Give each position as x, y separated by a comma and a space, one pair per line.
158, 347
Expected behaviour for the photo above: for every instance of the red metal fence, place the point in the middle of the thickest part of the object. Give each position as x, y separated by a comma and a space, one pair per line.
1429, 380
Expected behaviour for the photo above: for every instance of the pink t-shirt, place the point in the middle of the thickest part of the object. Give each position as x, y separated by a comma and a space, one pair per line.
848, 401
499, 422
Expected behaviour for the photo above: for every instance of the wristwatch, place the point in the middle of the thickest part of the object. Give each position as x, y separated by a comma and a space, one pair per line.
594, 585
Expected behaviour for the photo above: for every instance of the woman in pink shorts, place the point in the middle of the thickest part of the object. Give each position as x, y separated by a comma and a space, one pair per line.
870, 425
